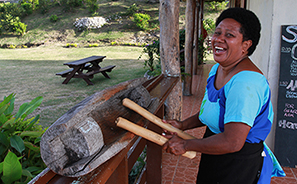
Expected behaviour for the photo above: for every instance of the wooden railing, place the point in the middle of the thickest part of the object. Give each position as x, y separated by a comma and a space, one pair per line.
117, 169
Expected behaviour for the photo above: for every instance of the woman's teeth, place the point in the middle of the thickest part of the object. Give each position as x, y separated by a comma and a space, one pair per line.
219, 49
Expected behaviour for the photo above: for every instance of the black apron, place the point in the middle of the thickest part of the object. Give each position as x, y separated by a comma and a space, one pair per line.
242, 167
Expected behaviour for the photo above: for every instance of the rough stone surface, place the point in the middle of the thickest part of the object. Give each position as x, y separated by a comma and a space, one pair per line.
89, 23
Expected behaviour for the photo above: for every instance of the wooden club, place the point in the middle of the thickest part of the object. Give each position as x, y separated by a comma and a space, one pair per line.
154, 119
147, 134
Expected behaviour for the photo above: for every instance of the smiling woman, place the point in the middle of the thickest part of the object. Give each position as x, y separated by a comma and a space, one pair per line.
236, 108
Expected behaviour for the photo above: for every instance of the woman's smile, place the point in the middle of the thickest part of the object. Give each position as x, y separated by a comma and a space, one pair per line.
219, 49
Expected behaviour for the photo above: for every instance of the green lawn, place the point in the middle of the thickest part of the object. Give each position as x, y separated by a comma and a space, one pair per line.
31, 72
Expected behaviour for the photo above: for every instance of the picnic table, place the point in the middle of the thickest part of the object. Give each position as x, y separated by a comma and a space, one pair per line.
85, 68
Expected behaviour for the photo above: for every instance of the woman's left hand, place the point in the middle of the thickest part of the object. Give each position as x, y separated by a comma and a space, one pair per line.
174, 145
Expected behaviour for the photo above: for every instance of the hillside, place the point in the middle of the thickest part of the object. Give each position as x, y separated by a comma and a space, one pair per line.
119, 28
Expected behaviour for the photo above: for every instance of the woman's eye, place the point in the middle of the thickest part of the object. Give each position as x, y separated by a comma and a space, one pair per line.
217, 33
229, 35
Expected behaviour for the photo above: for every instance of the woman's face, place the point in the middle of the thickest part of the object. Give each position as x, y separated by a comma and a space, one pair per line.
227, 42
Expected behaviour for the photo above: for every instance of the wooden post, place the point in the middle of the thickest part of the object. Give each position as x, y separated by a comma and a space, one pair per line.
169, 53
237, 3
190, 23
121, 174
200, 21
196, 36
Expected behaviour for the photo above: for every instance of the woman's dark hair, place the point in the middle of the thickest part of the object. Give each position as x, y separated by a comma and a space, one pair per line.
250, 24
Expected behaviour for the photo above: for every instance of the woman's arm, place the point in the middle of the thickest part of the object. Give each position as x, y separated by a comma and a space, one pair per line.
231, 140
189, 123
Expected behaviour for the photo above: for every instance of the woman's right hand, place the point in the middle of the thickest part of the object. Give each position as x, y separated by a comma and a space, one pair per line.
177, 124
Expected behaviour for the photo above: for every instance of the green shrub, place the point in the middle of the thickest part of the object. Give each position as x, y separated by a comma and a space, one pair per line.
70, 4
10, 21
28, 7
131, 10
92, 5
71, 45
215, 6
93, 45
20, 28
54, 18
44, 5
209, 25
11, 46
19, 146
141, 20
153, 54
152, 51
34, 3
114, 43
13, 9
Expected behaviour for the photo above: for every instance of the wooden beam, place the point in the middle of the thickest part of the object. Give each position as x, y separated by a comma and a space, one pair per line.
237, 3
169, 53
201, 10
190, 23
196, 36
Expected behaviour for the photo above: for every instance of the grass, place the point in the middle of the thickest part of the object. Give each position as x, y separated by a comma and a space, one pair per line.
31, 72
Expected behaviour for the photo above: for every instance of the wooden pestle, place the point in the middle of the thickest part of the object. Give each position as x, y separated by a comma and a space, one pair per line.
154, 119
147, 134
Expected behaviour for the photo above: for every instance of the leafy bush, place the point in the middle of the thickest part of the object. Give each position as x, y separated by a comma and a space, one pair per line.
92, 5
28, 7
54, 18
215, 6
93, 45
44, 5
13, 9
70, 4
34, 3
141, 20
114, 43
9, 18
152, 51
131, 10
68, 45
209, 25
11, 46
19, 146
20, 27
153, 61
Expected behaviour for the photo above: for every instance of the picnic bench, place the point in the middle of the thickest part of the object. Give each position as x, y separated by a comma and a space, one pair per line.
85, 68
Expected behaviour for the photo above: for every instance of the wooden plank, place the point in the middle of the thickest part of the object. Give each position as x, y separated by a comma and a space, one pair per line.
154, 156
84, 60
43, 177
135, 151
65, 72
86, 67
120, 175
104, 69
142, 176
